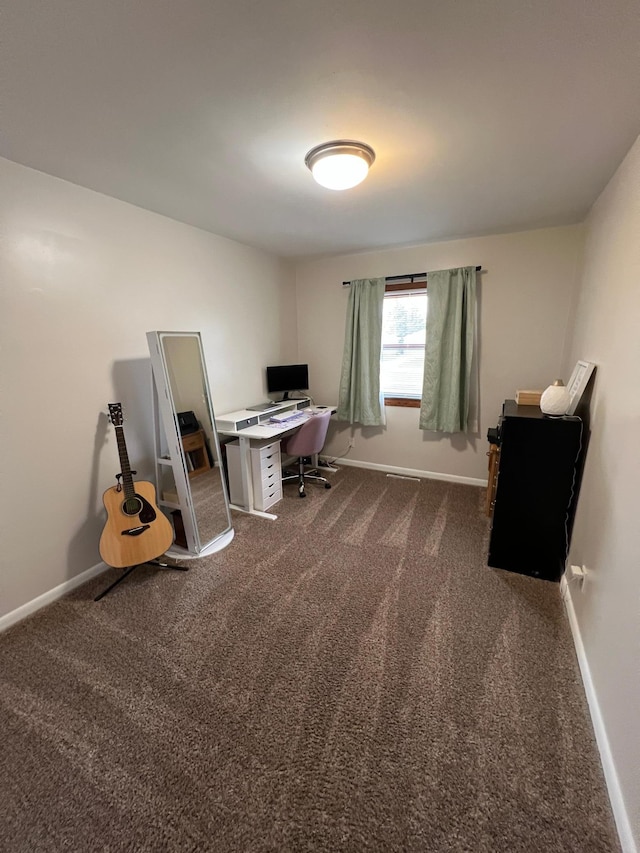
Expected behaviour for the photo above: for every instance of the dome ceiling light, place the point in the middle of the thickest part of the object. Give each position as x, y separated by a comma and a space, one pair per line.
340, 165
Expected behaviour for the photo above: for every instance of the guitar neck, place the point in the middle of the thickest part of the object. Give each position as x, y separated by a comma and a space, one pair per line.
125, 467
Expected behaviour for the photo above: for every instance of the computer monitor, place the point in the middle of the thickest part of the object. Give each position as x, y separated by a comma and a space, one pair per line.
283, 378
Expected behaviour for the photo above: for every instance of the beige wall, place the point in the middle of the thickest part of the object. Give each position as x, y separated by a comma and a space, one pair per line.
607, 530
83, 278
526, 294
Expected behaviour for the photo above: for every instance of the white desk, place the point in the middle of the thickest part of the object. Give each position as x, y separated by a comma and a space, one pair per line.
257, 436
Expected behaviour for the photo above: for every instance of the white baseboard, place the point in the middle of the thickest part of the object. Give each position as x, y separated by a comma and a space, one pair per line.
30, 607
412, 472
620, 815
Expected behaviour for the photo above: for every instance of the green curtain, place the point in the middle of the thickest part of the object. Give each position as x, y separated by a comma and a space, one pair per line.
451, 329
359, 398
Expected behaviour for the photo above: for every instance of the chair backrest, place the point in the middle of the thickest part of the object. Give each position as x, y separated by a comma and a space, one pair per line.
309, 439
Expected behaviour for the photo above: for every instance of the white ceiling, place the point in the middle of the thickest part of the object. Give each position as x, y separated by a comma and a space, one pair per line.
486, 115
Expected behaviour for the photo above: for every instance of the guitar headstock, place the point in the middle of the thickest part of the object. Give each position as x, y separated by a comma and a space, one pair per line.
115, 413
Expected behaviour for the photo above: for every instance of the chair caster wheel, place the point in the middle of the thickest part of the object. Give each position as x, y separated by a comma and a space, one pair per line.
303, 494
327, 485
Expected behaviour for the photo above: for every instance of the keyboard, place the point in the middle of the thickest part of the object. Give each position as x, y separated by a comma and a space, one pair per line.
287, 417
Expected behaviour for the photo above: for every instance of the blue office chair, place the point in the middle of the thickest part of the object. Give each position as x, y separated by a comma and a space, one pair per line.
304, 443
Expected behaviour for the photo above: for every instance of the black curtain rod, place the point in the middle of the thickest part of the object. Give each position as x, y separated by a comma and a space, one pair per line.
402, 277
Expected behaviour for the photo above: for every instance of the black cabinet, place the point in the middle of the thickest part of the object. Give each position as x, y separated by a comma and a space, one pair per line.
536, 490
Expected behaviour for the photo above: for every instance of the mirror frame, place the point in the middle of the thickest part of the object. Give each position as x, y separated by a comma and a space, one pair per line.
165, 417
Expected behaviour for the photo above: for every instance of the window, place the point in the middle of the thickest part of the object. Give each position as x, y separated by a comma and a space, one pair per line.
404, 317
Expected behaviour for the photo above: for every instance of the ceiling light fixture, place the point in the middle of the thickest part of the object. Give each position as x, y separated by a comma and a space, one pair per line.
340, 165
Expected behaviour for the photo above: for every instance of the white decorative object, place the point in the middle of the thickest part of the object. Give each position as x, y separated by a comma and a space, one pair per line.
555, 399
578, 382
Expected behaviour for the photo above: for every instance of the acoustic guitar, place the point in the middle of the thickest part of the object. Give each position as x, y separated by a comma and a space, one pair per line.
136, 531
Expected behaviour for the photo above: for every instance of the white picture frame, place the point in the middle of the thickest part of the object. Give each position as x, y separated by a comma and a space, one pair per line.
578, 382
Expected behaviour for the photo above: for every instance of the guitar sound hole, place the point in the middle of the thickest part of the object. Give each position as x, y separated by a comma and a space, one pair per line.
132, 506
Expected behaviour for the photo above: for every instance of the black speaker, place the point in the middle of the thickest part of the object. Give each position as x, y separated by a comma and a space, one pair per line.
188, 423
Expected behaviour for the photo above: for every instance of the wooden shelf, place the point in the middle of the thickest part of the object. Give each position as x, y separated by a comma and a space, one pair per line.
195, 450
494, 457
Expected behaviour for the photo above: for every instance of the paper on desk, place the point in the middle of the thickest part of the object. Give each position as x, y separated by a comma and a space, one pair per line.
263, 430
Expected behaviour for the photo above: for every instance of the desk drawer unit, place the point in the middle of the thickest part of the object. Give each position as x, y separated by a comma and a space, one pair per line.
266, 474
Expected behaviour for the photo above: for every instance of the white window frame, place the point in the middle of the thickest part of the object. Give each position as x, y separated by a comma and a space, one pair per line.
407, 288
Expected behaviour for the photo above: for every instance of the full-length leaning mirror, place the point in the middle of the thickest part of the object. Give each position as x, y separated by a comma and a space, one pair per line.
189, 476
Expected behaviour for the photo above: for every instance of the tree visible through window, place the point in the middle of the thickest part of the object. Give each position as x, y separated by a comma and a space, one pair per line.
404, 318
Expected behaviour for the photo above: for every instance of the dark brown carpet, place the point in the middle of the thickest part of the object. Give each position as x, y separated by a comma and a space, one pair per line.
351, 677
